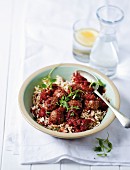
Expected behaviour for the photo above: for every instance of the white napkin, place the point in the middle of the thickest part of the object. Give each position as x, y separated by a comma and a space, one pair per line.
43, 48
37, 147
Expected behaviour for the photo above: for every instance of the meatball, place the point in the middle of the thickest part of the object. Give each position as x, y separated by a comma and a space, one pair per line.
45, 94
42, 113
57, 116
51, 103
75, 103
59, 92
73, 113
92, 104
82, 86
103, 105
76, 87
90, 96
75, 109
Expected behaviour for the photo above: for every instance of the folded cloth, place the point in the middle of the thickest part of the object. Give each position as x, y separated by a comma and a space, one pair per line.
34, 146
38, 147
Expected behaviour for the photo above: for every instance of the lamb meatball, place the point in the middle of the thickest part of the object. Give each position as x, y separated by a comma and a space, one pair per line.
42, 113
73, 113
75, 108
92, 104
75, 103
51, 103
45, 94
57, 116
59, 92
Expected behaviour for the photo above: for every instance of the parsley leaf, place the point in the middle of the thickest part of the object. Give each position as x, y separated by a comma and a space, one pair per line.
104, 147
48, 80
44, 85
63, 102
99, 83
48, 113
98, 149
72, 114
102, 154
74, 107
74, 94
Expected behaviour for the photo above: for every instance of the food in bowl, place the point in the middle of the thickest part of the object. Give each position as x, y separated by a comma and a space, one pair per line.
68, 106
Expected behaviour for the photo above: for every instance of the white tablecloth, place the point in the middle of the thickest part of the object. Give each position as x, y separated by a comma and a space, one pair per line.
48, 32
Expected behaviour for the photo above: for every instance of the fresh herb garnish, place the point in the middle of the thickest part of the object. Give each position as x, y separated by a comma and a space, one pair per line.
48, 80
98, 83
105, 146
64, 103
43, 85
74, 94
48, 113
74, 107
72, 114
56, 128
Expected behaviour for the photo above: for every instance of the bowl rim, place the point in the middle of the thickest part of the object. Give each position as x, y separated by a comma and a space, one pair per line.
61, 134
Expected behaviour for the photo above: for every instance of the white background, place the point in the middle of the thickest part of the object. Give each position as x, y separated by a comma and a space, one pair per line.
11, 47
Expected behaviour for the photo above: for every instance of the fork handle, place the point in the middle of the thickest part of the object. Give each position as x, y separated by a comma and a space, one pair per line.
120, 116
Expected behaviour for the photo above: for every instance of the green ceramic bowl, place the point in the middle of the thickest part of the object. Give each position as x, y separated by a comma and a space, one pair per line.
65, 70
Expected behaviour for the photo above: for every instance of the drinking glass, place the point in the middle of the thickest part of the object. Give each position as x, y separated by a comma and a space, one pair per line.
84, 36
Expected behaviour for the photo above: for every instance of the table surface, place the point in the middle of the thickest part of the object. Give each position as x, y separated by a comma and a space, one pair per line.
11, 46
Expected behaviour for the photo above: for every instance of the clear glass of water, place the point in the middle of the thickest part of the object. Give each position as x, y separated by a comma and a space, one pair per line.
104, 54
84, 36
